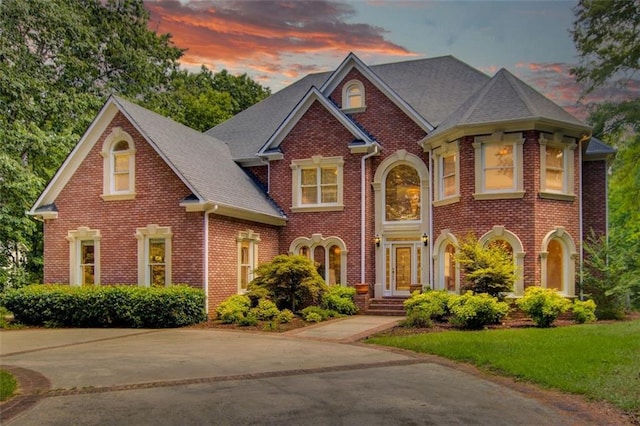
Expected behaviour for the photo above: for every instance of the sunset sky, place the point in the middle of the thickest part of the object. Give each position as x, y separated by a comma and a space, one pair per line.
278, 42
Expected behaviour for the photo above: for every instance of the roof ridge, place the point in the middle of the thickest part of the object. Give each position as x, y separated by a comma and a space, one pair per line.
479, 94
511, 79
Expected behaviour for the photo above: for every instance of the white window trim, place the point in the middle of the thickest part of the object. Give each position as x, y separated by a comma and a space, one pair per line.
517, 191
317, 240
108, 190
318, 162
568, 147
570, 256
254, 240
143, 235
345, 99
75, 239
500, 233
439, 155
444, 239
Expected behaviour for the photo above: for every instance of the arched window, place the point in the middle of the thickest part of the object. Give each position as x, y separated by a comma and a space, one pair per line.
118, 152
558, 261
402, 194
555, 265
328, 254
446, 273
449, 267
353, 95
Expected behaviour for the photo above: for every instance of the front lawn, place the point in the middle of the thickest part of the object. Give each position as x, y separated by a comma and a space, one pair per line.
600, 361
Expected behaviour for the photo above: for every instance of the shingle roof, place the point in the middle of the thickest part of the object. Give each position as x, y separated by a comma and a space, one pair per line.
597, 148
505, 98
433, 87
203, 162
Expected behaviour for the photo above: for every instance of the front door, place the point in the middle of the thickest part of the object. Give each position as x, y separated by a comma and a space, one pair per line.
402, 268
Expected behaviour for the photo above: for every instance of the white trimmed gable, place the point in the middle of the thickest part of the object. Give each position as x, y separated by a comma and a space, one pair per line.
351, 62
268, 150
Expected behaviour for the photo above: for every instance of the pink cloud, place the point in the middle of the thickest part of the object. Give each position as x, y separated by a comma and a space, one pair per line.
264, 32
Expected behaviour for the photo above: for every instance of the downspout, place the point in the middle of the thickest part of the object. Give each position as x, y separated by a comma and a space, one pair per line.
205, 266
363, 236
581, 224
430, 255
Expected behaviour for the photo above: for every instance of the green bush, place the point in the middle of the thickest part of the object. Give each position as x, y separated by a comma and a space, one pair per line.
290, 281
420, 319
542, 305
430, 304
233, 309
266, 310
324, 314
584, 312
106, 306
313, 317
488, 269
475, 311
284, 317
340, 299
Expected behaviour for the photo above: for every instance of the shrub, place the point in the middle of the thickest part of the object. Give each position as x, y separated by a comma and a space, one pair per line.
542, 305
488, 269
584, 312
340, 299
313, 317
105, 306
233, 309
475, 311
420, 319
432, 304
324, 314
284, 317
266, 310
290, 281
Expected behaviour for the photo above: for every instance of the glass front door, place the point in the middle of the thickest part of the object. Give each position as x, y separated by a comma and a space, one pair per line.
402, 268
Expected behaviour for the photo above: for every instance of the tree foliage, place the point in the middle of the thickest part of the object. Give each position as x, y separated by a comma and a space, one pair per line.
59, 61
488, 269
290, 281
607, 36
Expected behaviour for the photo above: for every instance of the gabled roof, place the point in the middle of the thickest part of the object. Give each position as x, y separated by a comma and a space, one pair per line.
351, 62
313, 95
505, 100
432, 87
203, 163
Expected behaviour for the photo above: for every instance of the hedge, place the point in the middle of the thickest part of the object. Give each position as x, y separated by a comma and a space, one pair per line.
106, 306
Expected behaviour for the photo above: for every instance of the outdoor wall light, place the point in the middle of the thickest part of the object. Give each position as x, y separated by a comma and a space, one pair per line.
425, 239
376, 240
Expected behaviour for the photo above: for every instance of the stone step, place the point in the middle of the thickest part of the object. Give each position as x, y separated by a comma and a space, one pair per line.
386, 306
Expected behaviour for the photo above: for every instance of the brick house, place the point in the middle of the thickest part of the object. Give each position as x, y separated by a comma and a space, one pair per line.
374, 172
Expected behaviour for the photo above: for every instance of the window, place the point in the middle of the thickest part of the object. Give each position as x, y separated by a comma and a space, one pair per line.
328, 254
247, 258
353, 96
499, 166
449, 267
154, 256
556, 167
402, 194
446, 273
84, 256
558, 261
317, 184
118, 152
447, 172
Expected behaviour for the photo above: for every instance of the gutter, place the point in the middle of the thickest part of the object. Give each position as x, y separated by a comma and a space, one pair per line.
363, 236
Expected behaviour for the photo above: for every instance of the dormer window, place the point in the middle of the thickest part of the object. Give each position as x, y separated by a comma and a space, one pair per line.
118, 152
353, 96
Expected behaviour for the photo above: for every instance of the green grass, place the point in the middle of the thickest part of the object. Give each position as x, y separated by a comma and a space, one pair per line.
600, 361
8, 385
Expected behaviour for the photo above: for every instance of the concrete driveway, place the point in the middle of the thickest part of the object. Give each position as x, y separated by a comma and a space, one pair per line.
208, 376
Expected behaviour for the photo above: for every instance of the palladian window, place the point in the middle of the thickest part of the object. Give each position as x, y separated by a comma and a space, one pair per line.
402, 194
